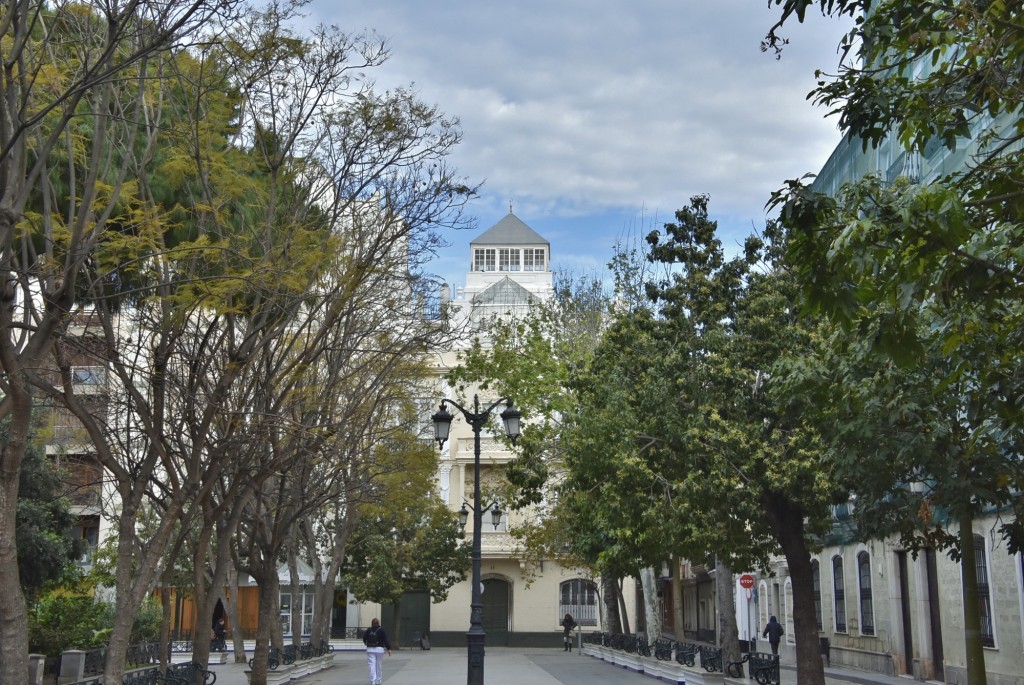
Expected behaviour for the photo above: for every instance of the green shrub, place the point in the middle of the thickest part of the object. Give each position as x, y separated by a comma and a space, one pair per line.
65, 619
72, 619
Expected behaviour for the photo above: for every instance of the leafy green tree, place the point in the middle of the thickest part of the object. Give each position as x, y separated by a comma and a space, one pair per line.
533, 359
928, 275
905, 263
395, 549
923, 426
530, 359
680, 411
48, 548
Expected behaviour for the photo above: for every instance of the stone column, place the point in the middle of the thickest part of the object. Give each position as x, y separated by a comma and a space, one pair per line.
36, 666
72, 666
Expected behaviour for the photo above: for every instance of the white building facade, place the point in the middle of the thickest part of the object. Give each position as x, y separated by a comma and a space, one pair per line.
523, 601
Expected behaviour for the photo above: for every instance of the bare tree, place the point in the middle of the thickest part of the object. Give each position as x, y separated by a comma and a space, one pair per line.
64, 67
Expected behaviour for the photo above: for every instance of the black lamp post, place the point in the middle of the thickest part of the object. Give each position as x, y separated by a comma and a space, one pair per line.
476, 419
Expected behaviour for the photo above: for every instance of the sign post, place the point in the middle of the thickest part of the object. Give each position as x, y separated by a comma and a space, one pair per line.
747, 583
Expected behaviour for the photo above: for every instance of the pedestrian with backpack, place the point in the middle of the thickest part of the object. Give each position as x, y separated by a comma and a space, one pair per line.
377, 643
773, 631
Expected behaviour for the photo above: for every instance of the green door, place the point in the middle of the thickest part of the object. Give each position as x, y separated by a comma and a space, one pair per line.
413, 618
415, 623
496, 596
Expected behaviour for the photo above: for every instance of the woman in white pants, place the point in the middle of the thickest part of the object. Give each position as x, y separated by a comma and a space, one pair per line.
377, 643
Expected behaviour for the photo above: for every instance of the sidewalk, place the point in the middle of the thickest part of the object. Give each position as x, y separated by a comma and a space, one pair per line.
505, 666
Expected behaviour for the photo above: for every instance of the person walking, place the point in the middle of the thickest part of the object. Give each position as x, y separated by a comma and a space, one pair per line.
568, 623
219, 633
773, 631
377, 643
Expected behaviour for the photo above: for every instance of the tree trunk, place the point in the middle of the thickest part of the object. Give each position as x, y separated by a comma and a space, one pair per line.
137, 569
325, 591
972, 614
623, 611
677, 601
276, 629
13, 611
296, 592
786, 520
652, 617
725, 598
201, 595
235, 614
265, 621
396, 622
165, 622
610, 606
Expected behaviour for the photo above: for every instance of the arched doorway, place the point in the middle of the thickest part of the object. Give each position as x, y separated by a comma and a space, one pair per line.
496, 600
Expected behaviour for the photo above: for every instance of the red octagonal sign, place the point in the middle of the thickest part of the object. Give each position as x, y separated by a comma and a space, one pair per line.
746, 581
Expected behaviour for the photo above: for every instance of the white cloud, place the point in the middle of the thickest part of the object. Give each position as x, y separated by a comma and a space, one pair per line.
598, 107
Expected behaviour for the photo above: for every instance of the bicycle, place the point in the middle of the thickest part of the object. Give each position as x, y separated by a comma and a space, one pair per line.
209, 677
272, 660
169, 678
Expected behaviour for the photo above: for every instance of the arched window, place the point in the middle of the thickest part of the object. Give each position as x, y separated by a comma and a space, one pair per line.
867, 613
988, 637
839, 593
579, 598
816, 580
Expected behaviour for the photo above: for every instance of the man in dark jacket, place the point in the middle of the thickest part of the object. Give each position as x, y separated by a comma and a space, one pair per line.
377, 643
773, 631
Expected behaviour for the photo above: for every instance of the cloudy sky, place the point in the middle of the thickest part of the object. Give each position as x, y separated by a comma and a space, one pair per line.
598, 119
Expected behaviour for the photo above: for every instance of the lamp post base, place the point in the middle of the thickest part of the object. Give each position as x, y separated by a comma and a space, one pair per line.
475, 647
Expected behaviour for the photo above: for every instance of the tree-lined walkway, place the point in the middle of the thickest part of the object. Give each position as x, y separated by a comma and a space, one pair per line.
507, 666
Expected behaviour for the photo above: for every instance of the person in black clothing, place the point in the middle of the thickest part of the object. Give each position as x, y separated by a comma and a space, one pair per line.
376, 641
568, 623
219, 631
773, 631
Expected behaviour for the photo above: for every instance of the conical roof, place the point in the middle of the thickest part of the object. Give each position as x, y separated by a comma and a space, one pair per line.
510, 231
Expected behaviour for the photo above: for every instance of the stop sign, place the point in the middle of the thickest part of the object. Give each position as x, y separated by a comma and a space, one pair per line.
746, 581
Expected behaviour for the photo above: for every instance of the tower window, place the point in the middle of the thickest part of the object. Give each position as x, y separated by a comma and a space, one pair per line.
533, 259
508, 260
483, 259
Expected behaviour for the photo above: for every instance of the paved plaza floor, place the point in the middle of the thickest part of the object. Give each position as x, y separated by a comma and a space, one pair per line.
506, 666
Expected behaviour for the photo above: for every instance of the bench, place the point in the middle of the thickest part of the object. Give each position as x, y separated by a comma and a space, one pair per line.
764, 668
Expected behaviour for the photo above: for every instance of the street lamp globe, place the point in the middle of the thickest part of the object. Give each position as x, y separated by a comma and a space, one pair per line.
510, 417
442, 425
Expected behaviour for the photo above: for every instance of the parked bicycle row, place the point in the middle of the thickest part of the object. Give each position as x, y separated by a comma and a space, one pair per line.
764, 668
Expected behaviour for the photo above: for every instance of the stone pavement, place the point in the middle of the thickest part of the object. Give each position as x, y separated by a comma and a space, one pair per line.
505, 666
